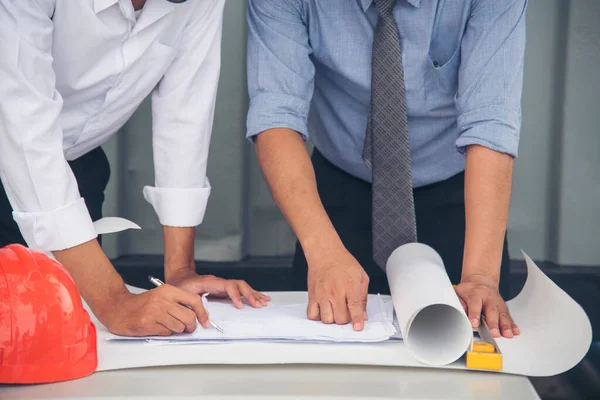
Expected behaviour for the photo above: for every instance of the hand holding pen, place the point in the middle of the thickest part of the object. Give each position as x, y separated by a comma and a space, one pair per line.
157, 282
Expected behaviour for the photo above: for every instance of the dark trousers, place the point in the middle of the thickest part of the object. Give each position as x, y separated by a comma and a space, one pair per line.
92, 172
440, 214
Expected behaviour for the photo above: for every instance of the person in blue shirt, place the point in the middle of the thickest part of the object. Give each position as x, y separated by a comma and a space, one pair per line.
413, 107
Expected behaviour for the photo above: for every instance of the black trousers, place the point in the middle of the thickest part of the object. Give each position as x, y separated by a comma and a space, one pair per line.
440, 215
92, 172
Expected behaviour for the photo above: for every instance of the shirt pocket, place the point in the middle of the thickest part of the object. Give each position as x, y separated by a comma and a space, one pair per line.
444, 49
159, 57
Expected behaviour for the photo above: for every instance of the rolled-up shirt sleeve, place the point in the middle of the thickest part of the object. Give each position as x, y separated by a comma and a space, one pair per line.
491, 76
183, 108
280, 71
38, 181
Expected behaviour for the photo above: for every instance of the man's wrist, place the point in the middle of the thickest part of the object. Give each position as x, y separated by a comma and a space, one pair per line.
179, 252
319, 246
176, 274
485, 278
482, 263
98, 282
481, 271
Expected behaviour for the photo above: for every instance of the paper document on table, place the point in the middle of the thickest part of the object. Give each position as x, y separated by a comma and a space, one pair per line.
422, 323
555, 331
277, 322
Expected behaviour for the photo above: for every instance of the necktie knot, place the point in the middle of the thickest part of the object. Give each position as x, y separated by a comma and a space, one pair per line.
385, 7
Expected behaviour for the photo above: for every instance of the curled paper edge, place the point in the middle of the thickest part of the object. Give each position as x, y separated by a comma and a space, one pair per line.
556, 332
113, 224
108, 225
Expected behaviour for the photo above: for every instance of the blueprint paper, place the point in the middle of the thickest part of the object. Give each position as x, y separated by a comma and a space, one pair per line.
555, 336
433, 323
283, 322
555, 331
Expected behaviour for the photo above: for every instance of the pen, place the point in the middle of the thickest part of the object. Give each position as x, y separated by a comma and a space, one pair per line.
157, 282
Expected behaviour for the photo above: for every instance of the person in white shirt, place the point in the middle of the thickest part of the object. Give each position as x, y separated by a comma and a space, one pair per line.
71, 74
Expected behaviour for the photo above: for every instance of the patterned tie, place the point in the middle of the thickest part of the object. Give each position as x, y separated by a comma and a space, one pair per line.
386, 148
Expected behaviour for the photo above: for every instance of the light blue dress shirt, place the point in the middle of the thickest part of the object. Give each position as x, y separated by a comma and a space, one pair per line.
309, 69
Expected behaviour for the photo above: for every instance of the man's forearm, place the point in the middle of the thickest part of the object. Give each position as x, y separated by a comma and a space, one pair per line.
179, 251
97, 280
488, 179
290, 175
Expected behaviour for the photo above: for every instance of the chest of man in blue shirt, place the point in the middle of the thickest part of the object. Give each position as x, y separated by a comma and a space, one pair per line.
309, 72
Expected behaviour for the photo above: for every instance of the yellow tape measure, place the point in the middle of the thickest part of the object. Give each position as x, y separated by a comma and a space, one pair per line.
484, 354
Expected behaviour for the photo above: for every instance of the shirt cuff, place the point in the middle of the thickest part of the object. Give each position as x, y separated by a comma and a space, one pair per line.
179, 207
56, 230
276, 110
495, 128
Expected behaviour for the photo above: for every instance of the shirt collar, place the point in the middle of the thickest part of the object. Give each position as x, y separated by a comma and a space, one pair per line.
153, 10
367, 3
101, 5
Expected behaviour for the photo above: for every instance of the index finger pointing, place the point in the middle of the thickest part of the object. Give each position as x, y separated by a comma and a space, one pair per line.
357, 310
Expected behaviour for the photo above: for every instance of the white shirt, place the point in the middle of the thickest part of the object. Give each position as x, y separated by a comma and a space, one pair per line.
72, 73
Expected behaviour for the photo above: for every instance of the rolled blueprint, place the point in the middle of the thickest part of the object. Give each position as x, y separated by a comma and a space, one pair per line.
435, 327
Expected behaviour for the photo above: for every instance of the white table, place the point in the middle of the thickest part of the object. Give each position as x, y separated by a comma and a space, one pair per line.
282, 382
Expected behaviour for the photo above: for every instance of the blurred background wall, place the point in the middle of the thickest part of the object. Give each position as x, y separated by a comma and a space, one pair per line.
555, 211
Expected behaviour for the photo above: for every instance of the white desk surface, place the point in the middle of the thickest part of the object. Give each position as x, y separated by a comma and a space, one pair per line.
282, 382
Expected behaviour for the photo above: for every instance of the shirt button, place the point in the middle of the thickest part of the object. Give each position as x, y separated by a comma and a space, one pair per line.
436, 64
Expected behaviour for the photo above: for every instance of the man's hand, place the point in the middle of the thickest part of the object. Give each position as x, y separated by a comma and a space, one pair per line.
337, 290
479, 295
180, 271
157, 312
337, 284
487, 197
188, 280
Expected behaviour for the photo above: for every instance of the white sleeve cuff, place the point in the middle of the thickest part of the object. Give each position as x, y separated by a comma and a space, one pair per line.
56, 230
179, 207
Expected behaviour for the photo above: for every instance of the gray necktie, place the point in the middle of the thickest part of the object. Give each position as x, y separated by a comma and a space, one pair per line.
386, 149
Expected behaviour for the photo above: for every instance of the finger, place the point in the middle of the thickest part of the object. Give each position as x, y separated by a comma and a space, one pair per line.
474, 305
248, 294
341, 314
505, 324
185, 316
515, 328
492, 317
173, 324
234, 293
312, 311
326, 312
357, 311
195, 303
364, 294
463, 303
264, 296
259, 298
161, 330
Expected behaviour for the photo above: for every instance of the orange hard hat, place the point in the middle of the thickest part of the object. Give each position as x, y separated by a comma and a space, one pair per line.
46, 334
